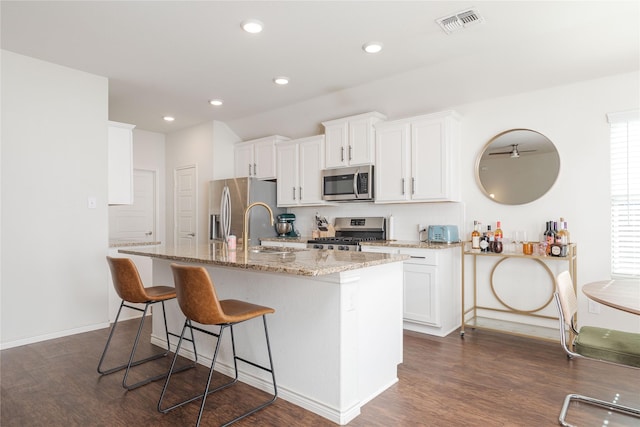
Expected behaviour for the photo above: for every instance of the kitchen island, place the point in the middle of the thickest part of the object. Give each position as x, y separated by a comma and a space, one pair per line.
336, 335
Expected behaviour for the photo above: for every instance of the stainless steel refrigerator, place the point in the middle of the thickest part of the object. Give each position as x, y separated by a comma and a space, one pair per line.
228, 199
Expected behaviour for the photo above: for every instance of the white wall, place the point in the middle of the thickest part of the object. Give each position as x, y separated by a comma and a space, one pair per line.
54, 156
209, 147
223, 156
574, 118
149, 154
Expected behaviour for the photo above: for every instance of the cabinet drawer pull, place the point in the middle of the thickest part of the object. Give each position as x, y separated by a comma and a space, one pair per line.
418, 257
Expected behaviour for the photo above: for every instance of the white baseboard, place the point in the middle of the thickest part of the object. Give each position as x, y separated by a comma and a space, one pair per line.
53, 335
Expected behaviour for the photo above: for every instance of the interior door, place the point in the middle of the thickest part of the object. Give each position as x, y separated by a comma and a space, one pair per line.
137, 221
186, 207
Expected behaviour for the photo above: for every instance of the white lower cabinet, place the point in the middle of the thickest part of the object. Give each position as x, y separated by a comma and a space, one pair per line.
431, 302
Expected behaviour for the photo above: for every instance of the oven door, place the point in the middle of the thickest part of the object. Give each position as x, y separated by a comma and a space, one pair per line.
348, 184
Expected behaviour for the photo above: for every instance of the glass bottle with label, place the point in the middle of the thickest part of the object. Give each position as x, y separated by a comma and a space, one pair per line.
491, 237
484, 242
475, 236
549, 237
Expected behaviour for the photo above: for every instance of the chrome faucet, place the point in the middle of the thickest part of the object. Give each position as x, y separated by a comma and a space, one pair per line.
245, 226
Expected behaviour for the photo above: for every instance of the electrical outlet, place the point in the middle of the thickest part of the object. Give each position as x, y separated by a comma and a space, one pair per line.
594, 307
421, 227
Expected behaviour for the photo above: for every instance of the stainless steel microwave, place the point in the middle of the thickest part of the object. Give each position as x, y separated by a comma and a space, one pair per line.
348, 184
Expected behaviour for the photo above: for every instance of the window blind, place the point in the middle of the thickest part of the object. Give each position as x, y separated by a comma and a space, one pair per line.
625, 193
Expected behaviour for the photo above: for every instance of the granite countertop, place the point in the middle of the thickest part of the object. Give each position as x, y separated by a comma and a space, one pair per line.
129, 243
298, 239
304, 262
412, 244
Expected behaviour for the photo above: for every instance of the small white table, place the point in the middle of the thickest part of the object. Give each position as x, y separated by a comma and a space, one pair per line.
621, 294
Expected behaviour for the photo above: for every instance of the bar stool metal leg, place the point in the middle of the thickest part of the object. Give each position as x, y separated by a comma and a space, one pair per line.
212, 368
131, 363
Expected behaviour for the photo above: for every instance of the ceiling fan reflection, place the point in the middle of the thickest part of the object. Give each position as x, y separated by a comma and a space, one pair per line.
514, 153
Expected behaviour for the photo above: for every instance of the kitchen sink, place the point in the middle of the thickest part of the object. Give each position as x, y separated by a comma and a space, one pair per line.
270, 250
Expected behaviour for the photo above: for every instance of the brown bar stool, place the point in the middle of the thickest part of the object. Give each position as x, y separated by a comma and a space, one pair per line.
129, 287
199, 303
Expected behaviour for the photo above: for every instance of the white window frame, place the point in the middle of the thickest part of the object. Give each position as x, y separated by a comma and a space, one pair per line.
625, 193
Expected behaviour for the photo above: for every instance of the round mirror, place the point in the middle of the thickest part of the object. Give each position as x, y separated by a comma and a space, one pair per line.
517, 166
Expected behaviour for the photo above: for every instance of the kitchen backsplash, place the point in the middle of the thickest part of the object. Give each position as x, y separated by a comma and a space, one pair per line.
406, 216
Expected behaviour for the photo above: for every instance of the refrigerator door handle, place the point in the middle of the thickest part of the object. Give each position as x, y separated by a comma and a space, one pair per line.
225, 213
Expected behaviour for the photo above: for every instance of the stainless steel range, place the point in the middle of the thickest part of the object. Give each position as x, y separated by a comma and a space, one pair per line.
350, 231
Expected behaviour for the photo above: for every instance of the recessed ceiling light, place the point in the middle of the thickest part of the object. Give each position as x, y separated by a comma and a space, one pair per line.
252, 26
372, 47
281, 80
216, 102
169, 118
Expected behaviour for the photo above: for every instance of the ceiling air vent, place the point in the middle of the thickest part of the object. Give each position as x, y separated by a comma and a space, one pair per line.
459, 20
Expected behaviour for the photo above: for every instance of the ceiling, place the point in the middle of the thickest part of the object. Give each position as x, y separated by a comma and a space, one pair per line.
170, 58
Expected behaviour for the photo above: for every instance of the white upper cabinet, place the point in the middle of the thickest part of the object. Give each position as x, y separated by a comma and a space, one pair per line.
299, 165
350, 141
418, 159
120, 163
257, 158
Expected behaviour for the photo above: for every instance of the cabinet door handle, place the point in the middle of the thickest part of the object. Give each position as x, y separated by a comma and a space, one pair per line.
249, 169
255, 169
148, 233
300, 193
294, 192
191, 234
342, 154
350, 153
413, 185
403, 186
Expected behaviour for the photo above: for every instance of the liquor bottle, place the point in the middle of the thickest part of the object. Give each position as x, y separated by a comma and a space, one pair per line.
566, 230
475, 236
561, 235
490, 238
484, 242
497, 235
549, 236
560, 248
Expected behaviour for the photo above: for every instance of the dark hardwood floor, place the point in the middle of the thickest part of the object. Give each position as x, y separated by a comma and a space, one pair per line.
485, 379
